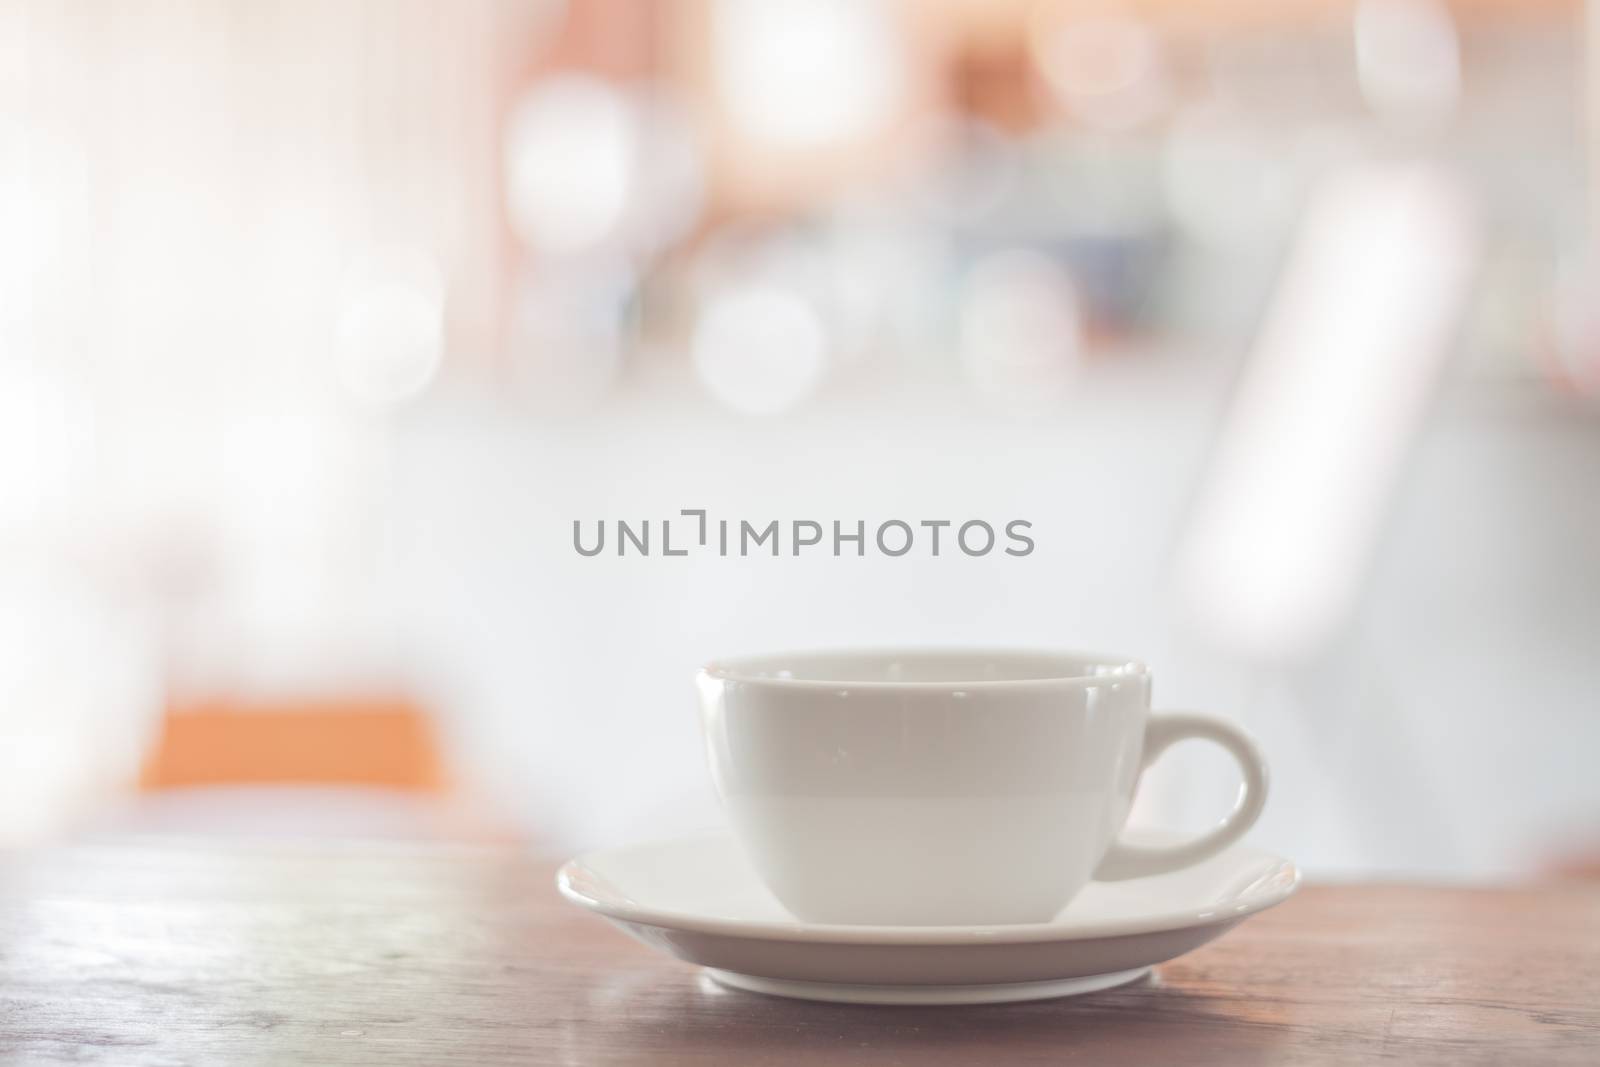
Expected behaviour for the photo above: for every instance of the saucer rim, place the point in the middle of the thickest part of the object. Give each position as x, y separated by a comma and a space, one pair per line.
1269, 891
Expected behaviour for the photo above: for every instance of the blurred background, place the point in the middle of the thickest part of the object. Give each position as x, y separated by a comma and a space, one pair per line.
321, 323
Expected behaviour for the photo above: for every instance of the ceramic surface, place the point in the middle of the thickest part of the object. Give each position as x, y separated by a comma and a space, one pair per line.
699, 900
931, 787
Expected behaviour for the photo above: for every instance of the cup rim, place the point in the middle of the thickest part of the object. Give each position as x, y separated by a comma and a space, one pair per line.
1092, 668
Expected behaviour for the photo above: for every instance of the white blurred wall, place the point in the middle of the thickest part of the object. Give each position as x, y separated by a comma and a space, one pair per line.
1442, 733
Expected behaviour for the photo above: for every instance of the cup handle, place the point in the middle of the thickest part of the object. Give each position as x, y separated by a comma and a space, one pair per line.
1125, 861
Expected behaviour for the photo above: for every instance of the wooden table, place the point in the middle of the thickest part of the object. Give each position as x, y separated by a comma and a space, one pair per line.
158, 951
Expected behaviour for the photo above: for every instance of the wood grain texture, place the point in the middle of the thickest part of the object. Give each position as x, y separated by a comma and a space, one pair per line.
152, 952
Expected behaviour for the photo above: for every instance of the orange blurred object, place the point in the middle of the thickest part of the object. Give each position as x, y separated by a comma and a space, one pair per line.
368, 741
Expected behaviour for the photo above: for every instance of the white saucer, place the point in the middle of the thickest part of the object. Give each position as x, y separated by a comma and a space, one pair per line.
698, 900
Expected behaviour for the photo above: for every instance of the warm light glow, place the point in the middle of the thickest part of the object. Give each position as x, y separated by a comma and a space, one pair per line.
79, 684
1107, 68
759, 347
570, 151
46, 443
1408, 60
804, 73
44, 190
389, 338
1020, 330
1333, 392
592, 166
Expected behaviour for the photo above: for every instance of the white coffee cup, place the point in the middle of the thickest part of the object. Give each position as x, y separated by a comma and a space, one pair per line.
941, 787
